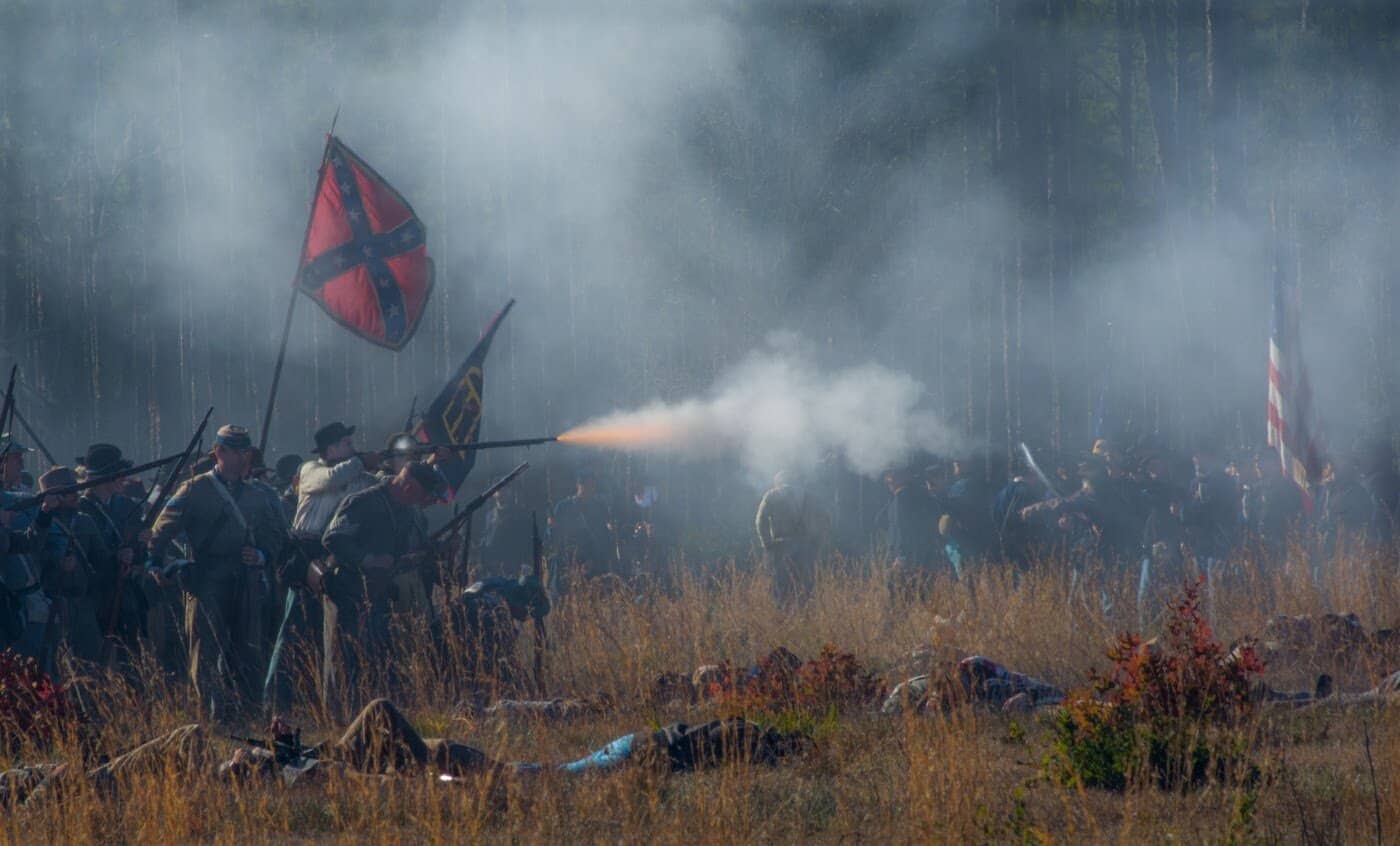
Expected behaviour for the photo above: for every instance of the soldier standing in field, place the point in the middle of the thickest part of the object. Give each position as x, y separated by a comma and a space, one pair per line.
323, 482
67, 545
233, 532
120, 603
412, 590
581, 532
911, 531
26, 609
785, 533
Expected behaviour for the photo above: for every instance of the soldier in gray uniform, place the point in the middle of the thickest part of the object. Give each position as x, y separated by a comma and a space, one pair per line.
68, 545
232, 531
321, 484
373, 535
119, 602
785, 532
25, 607
412, 590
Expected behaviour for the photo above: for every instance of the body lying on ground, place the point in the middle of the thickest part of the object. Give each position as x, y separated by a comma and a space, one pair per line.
1335, 640
975, 680
381, 742
1387, 691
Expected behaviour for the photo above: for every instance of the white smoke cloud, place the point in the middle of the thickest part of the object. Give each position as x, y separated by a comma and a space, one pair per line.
777, 410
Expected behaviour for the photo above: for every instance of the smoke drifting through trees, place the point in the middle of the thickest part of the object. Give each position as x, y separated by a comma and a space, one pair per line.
775, 411
966, 192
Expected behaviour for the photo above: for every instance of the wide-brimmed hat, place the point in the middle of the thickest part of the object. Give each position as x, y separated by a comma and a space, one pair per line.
103, 460
331, 433
57, 477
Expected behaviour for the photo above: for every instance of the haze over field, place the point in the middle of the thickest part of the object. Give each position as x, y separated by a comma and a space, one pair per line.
1017, 207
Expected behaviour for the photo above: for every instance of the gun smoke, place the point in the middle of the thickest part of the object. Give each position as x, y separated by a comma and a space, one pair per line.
968, 195
777, 411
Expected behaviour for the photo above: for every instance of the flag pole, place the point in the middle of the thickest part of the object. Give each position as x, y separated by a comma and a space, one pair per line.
277, 373
292, 304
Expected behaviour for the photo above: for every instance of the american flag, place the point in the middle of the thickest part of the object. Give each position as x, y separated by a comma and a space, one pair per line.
1292, 427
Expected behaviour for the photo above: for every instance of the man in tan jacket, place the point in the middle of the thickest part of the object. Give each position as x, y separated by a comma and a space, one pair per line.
231, 534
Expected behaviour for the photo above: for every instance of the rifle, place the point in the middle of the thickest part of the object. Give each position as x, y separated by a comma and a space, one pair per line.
9, 400
412, 412
479, 445
425, 449
168, 489
33, 435
149, 520
450, 529
285, 748
474, 505
35, 499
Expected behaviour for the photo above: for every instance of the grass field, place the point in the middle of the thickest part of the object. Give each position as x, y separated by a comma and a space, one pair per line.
969, 776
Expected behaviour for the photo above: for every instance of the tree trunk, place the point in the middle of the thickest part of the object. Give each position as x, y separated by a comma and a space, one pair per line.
1127, 83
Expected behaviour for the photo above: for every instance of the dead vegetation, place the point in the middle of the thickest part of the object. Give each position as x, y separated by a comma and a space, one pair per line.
967, 776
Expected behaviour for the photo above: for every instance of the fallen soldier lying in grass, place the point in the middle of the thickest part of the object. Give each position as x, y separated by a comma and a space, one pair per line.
1385, 692
380, 742
973, 680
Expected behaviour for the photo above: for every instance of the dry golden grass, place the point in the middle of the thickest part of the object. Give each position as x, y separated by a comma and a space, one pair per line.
967, 777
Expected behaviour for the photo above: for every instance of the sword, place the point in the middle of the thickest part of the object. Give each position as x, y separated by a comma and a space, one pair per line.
1144, 581
1035, 468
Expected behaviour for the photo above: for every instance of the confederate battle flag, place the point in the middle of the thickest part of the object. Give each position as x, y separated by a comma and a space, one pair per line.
365, 259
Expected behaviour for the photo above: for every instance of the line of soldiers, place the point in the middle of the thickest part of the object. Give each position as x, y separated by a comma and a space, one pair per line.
1142, 507
235, 579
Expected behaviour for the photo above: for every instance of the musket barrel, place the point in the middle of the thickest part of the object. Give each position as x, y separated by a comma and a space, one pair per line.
426, 449
480, 445
20, 505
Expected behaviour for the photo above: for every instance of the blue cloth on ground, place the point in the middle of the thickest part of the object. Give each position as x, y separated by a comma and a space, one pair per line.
610, 756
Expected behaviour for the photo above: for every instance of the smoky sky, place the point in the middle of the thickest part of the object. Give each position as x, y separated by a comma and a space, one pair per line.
665, 186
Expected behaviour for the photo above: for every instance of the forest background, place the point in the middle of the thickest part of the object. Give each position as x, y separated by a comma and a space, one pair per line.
1033, 208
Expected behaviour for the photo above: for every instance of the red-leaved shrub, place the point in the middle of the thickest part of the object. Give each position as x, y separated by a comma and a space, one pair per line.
782, 683
1168, 709
32, 707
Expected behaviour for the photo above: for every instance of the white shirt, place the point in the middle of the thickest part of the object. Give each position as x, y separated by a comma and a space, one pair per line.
320, 489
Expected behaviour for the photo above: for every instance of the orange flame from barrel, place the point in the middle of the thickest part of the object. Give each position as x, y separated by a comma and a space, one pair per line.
624, 436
